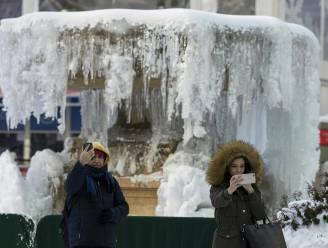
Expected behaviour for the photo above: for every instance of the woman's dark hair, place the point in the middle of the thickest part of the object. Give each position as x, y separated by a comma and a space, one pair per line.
248, 168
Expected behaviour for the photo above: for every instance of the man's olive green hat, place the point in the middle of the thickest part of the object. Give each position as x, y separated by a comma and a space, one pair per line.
224, 156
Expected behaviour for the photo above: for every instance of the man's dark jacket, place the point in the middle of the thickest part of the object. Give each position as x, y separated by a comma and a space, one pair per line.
85, 225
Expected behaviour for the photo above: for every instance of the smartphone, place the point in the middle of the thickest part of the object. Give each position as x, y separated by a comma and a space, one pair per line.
248, 179
87, 146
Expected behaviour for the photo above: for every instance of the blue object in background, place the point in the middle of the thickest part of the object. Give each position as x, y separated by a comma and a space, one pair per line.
10, 8
47, 124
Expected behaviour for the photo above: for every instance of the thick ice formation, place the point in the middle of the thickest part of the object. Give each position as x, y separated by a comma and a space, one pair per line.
216, 73
184, 191
12, 195
42, 181
34, 195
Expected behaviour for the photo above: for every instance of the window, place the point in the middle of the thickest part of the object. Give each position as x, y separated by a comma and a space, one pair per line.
80, 5
40, 141
74, 115
325, 45
173, 4
14, 143
43, 134
306, 13
236, 7
10, 8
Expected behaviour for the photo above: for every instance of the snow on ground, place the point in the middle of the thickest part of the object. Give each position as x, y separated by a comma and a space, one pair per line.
307, 237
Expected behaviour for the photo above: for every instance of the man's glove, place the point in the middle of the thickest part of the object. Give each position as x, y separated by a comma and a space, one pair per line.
106, 216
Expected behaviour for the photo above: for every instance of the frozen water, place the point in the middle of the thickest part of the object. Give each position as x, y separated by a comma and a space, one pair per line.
223, 76
34, 195
11, 186
183, 190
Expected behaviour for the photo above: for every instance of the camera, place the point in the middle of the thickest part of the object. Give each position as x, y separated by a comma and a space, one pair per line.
87, 147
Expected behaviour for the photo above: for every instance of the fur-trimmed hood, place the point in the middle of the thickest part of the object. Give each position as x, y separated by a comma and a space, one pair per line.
223, 158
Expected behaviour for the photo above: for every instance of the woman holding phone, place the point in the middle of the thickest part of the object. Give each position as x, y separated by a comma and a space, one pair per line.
236, 200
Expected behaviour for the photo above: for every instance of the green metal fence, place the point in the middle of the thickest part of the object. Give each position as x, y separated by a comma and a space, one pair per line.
166, 232
16, 231
47, 233
134, 232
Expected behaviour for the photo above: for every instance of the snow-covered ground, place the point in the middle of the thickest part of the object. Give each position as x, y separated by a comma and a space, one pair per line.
313, 235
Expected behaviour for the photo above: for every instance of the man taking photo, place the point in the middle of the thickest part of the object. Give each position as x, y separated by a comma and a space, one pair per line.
95, 199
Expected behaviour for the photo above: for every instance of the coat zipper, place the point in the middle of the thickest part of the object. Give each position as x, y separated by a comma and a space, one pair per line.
102, 204
100, 194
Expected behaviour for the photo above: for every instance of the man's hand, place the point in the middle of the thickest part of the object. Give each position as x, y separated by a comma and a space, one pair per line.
86, 156
234, 183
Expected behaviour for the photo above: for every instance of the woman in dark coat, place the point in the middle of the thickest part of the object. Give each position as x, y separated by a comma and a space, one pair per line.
96, 201
235, 205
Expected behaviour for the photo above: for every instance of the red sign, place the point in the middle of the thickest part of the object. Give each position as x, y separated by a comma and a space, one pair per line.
324, 137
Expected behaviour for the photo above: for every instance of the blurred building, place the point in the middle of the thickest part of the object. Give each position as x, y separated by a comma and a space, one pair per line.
10, 8
312, 14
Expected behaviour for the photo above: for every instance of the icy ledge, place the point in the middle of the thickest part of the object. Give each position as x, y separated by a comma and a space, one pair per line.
224, 77
188, 50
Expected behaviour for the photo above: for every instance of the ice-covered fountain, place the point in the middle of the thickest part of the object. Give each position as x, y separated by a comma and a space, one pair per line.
166, 88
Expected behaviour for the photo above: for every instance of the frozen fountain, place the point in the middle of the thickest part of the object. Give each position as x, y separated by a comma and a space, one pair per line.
166, 88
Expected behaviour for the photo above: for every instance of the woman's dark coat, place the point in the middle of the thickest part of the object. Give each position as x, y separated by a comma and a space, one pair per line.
84, 223
234, 211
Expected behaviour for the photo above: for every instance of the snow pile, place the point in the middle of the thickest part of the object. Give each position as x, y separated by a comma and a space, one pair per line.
294, 213
307, 237
33, 196
183, 190
311, 228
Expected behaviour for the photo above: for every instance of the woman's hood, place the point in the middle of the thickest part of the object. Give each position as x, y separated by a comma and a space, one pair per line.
224, 156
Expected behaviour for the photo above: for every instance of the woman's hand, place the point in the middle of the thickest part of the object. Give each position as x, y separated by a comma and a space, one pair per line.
234, 183
249, 188
86, 156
